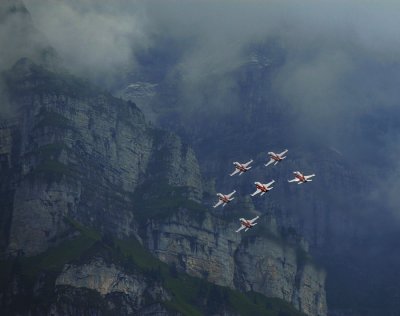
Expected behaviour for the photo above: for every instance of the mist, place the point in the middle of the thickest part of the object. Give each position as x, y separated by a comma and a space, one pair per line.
326, 42
18, 38
341, 57
95, 39
340, 73
333, 67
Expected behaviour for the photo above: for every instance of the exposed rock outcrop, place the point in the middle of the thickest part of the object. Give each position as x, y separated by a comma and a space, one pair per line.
268, 266
208, 247
82, 154
107, 279
78, 153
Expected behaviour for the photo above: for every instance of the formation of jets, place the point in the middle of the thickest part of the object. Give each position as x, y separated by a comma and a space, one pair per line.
261, 188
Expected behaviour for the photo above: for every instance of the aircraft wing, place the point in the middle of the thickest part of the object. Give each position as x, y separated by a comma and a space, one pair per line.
218, 203
294, 180
256, 192
235, 172
247, 163
240, 228
254, 219
310, 176
283, 152
268, 184
230, 194
269, 162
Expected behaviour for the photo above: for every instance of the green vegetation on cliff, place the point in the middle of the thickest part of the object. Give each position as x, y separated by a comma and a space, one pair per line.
161, 200
190, 296
35, 276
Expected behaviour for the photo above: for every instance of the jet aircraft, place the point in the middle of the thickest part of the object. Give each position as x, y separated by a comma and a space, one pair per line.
300, 178
262, 188
276, 158
247, 224
224, 198
241, 168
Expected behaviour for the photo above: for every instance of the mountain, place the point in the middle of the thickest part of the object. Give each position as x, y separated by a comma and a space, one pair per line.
89, 189
338, 214
103, 213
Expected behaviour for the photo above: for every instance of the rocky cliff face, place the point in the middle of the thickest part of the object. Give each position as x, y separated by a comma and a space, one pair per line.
95, 287
77, 164
82, 153
258, 121
209, 248
334, 212
109, 280
74, 152
275, 269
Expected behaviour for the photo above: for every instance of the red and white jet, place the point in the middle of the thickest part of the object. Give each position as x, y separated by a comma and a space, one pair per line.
247, 223
239, 167
262, 188
300, 178
224, 199
275, 158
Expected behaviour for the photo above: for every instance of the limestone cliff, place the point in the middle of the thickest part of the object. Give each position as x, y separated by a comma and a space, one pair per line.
75, 154
268, 266
109, 280
81, 153
208, 247
84, 177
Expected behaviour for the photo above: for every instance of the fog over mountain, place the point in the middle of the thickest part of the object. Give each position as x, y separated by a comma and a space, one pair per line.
318, 76
341, 57
341, 69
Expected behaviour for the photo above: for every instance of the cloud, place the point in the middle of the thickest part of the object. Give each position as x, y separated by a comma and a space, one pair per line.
333, 66
339, 59
93, 38
336, 67
18, 36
